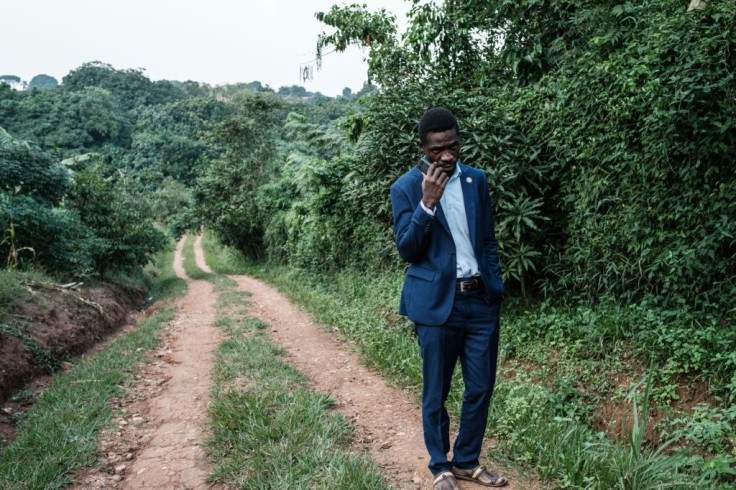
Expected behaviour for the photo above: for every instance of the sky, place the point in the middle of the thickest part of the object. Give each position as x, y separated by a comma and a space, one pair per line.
214, 41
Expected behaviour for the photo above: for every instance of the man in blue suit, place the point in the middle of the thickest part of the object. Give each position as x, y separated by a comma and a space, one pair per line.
443, 223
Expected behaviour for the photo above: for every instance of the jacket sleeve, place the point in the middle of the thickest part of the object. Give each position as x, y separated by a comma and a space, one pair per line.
412, 224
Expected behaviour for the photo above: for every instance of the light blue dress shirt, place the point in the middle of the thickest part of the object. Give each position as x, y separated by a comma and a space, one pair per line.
454, 207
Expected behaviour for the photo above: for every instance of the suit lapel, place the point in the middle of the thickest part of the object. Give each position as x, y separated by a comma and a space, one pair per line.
443, 219
470, 200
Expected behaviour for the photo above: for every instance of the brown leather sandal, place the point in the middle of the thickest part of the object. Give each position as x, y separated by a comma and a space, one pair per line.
445, 481
481, 476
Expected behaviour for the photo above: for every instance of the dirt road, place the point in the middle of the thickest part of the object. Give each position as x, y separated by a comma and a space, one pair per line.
161, 437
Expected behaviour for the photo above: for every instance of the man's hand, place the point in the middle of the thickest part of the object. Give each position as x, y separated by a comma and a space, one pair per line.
433, 185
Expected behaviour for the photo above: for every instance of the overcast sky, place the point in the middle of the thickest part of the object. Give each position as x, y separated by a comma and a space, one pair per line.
212, 41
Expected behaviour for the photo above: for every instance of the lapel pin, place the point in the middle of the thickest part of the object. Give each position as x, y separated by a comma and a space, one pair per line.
469, 180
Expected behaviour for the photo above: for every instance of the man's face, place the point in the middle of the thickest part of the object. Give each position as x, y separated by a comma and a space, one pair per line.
442, 148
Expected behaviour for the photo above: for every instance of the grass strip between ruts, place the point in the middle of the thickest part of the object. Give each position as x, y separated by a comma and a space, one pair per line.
268, 429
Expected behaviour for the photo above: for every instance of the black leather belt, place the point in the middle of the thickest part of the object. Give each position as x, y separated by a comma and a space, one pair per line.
469, 284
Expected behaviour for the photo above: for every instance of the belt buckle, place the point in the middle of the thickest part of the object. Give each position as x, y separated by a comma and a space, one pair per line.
467, 285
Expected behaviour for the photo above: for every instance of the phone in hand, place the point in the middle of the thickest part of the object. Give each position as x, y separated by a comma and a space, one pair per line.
424, 164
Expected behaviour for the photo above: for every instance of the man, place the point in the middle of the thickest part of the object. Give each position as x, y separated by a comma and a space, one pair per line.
453, 288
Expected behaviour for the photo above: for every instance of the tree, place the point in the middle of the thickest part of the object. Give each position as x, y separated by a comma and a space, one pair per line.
12, 81
130, 86
577, 112
27, 170
355, 25
172, 140
43, 82
83, 120
123, 234
227, 192
31, 217
293, 91
74, 217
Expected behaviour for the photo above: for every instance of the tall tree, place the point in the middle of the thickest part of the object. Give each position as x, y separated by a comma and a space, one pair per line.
43, 82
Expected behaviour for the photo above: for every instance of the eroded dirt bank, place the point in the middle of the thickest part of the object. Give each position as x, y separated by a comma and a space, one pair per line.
53, 323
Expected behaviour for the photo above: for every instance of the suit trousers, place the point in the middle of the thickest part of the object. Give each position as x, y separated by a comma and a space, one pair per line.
471, 334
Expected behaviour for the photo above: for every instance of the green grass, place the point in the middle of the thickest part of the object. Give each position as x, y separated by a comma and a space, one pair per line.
219, 281
223, 260
361, 308
12, 288
165, 283
269, 430
59, 434
189, 263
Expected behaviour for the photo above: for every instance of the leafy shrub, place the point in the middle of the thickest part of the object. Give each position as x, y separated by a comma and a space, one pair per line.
709, 427
73, 226
123, 235
63, 122
25, 169
52, 237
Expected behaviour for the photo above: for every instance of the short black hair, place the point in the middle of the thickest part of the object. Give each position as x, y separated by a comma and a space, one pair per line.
436, 120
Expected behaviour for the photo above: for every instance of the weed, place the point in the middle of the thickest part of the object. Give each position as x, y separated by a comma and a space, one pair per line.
635, 466
219, 281
713, 428
10, 289
23, 396
14, 252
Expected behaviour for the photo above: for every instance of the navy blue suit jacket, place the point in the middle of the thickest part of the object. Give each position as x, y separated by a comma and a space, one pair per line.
426, 243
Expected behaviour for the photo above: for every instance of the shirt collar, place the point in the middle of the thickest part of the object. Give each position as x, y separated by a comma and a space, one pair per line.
457, 172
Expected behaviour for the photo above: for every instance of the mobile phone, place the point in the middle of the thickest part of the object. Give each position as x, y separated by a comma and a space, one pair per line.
424, 164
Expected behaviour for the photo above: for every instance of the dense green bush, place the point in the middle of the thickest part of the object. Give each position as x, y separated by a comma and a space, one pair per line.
34, 229
606, 130
63, 122
69, 222
50, 236
25, 169
124, 235
131, 86
649, 182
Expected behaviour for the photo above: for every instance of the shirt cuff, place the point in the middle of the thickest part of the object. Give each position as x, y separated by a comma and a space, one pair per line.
429, 211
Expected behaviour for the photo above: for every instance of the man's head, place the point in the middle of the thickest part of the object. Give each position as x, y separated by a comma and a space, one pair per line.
438, 138
436, 120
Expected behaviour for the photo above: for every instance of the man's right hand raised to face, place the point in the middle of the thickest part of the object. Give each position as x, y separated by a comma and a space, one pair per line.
433, 185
